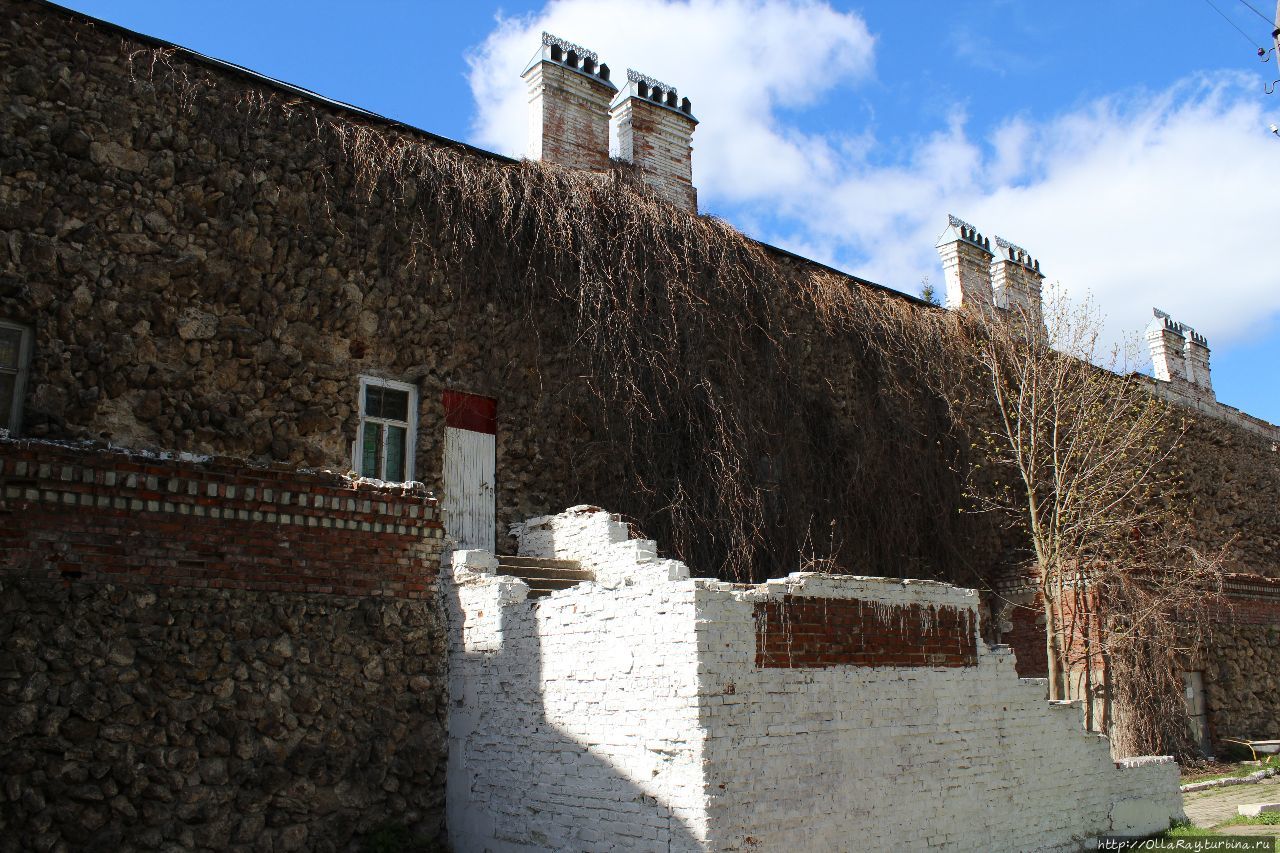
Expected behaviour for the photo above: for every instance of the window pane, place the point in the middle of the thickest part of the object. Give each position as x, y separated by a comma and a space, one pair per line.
373, 401
370, 451
10, 346
395, 404
7, 382
395, 454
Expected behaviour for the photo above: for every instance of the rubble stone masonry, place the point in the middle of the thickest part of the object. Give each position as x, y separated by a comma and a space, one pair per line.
199, 655
199, 276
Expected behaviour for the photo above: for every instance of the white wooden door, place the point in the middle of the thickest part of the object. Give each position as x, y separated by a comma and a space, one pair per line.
470, 470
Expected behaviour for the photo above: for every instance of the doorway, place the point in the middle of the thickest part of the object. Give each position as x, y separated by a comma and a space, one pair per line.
1197, 712
470, 468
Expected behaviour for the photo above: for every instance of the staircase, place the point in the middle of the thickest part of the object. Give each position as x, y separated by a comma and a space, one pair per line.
544, 576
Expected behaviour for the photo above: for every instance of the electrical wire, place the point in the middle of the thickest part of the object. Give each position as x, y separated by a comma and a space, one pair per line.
1255, 11
1247, 37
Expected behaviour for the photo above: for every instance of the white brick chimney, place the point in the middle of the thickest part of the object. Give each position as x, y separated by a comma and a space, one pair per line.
1179, 355
966, 266
1166, 342
653, 129
1016, 282
569, 95
1196, 352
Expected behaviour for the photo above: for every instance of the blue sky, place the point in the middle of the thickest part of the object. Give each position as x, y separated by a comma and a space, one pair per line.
1124, 143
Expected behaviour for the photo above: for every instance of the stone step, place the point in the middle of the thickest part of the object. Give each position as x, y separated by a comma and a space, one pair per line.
544, 576
550, 583
538, 562
550, 574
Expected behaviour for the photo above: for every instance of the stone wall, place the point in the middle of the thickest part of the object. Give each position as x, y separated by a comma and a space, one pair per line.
1239, 665
220, 720
634, 712
202, 656
202, 278
203, 271
1231, 479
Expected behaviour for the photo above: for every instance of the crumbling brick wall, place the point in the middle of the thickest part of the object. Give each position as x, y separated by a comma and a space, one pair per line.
643, 696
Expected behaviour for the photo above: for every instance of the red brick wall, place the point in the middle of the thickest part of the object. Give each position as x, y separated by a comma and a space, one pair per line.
1027, 638
800, 631
1254, 600
86, 513
1250, 600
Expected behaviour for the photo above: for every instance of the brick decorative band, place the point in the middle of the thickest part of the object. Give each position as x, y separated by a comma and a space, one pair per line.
1249, 609
88, 513
797, 632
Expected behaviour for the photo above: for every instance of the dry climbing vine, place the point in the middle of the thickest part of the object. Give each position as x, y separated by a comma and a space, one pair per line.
764, 410
765, 413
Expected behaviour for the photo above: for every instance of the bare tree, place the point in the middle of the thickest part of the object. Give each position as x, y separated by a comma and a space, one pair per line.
1080, 454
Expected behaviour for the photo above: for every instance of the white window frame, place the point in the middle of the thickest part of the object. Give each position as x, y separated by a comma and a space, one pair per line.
20, 381
411, 427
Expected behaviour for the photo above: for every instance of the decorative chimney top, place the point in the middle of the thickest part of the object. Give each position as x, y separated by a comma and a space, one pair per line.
573, 56
646, 87
966, 266
1017, 254
549, 40
966, 232
1163, 319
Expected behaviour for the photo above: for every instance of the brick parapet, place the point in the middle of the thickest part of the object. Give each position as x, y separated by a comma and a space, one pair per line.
87, 513
1182, 393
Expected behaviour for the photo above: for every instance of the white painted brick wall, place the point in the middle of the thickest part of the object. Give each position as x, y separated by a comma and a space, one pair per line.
629, 714
963, 758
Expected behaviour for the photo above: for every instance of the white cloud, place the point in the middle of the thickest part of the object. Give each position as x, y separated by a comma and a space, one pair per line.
1166, 198
739, 61
1147, 200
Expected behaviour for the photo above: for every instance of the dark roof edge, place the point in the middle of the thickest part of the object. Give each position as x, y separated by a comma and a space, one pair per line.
367, 115
883, 288
258, 77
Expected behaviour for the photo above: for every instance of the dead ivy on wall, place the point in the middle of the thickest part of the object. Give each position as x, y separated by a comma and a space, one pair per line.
767, 411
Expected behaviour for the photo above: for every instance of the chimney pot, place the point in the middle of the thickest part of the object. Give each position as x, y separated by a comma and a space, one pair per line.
569, 95
966, 266
1016, 282
653, 129
1167, 345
